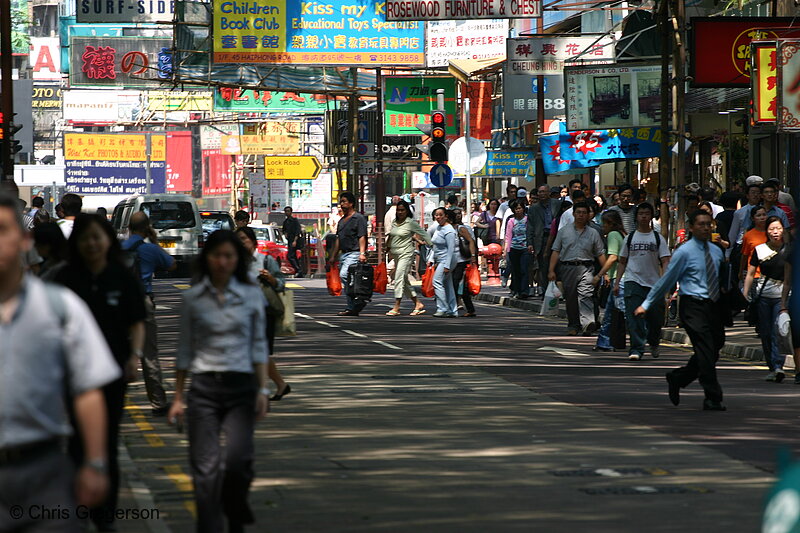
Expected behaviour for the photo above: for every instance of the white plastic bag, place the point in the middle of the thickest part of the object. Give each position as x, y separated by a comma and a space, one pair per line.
550, 302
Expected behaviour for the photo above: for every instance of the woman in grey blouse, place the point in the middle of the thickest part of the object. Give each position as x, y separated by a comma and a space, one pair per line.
223, 343
445, 260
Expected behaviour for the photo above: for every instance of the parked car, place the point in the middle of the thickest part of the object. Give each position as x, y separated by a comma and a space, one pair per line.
216, 220
174, 217
272, 241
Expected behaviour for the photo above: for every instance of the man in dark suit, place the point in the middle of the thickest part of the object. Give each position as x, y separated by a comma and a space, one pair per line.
540, 217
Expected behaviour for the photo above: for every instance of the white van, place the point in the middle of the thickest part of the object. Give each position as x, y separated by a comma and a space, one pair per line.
175, 218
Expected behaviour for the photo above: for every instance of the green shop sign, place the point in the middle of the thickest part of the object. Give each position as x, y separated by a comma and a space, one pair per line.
249, 101
409, 100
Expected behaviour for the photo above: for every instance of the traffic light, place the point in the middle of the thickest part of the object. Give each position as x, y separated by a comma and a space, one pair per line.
437, 149
16, 146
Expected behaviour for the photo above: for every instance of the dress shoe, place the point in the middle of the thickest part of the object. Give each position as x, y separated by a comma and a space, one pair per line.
280, 394
347, 312
674, 390
709, 405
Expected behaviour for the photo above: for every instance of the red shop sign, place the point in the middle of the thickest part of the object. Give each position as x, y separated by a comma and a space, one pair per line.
720, 47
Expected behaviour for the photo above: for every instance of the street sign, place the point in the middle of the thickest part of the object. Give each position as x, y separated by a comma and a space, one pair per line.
363, 130
365, 149
291, 167
441, 175
458, 155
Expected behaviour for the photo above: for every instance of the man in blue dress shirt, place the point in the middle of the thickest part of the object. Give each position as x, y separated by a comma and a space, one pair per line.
696, 267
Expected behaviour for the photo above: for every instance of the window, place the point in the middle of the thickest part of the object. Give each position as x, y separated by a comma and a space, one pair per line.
170, 215
216, 221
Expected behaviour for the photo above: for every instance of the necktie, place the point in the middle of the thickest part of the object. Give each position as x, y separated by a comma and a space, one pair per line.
713, 281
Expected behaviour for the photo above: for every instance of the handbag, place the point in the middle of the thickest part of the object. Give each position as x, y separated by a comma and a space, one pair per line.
286, 326
603, 293
482, 233
275, 307
751, 313
427, 284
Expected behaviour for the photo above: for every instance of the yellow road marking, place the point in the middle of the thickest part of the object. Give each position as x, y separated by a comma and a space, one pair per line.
154, 440
182, 286
294, 286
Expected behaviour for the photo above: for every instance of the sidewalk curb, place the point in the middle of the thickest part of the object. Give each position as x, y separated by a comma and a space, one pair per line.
130, 478
678, 336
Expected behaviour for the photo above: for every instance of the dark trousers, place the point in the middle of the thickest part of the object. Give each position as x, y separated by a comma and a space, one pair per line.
151, 367
518, 263
291, 255
458, 277
221, 403
543, 258
703, 322
45, 481
578, 294
114, 395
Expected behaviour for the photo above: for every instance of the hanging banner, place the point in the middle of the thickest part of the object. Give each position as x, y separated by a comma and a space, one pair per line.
409, 100
613, 96
248, 101
178, 101
720, 47
266, 138
464, 39
217, 171
461, 10
550, 148
339, 32
101, 106
126, 11
480, 109
179, 161
520, 94
124, 62
789, 82
547, 55
99, 163
508, 163
764, 82
598, 145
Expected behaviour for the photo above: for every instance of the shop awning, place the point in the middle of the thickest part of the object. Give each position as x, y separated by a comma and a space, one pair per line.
463, 69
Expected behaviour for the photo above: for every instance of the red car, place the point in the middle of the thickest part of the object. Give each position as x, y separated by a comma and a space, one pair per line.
271, 241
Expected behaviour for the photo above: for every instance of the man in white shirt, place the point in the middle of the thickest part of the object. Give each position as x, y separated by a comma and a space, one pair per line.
72, 205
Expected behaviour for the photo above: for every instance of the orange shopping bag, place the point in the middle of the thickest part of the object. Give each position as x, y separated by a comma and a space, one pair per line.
472, 279
333, 280
427, 283
381, 279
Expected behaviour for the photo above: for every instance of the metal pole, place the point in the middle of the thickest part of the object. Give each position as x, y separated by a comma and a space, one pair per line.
665, 159
148, 151
6, 90
678, 71
468, 173
540, 178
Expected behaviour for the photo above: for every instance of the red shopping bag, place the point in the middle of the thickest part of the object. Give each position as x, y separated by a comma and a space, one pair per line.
472, 279
427, 283
381, 279
333, 280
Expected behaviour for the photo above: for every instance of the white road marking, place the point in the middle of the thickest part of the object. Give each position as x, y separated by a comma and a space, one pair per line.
301, 315
354, 334
392, 346
327, 324
564, 351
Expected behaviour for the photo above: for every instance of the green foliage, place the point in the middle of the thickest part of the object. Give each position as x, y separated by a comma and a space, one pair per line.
20, 40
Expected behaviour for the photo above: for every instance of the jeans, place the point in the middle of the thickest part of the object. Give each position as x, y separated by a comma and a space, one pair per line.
647, 329
347, 259
603, 338
445, 294
768, 311
458, 277
518, 264
221, 402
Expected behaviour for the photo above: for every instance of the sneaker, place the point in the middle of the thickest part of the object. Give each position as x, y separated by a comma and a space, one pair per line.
503, 283
779, 375
655, 351
590, 329
770, 376
439, 314
634, 357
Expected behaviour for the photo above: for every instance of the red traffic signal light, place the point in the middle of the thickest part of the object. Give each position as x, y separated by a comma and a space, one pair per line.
438, 126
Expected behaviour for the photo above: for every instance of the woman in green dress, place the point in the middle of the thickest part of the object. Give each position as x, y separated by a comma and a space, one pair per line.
404, 233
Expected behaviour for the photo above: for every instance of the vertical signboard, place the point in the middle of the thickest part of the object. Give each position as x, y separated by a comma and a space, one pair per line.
520, 94
179, 161
789, 82
765, 82
409, 100
480, 109
100, 163
339, 32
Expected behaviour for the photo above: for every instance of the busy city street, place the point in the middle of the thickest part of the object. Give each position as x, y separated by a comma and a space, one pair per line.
494, 422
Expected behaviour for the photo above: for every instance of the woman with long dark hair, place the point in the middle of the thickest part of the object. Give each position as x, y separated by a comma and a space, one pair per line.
445, 259
95, 273
51, 246
770, 258
265, 271
517, 250
403, 234
223, 343
614, 231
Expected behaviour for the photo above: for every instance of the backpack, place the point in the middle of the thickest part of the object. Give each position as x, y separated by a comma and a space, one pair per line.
360, 280
463, 244
630, 239
131, 260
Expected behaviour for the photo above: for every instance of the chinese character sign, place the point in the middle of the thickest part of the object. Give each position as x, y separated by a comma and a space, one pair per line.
119, 61
598, 145
465, 39
547, 55
480, 109
409, 100
765, 83
789, 82
603, 97
248, 101
340, 32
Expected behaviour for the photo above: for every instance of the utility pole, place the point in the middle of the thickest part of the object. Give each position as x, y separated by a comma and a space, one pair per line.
6, 91
148, 176
540, 178
352, 171
468, 173
679, 98
665, 160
